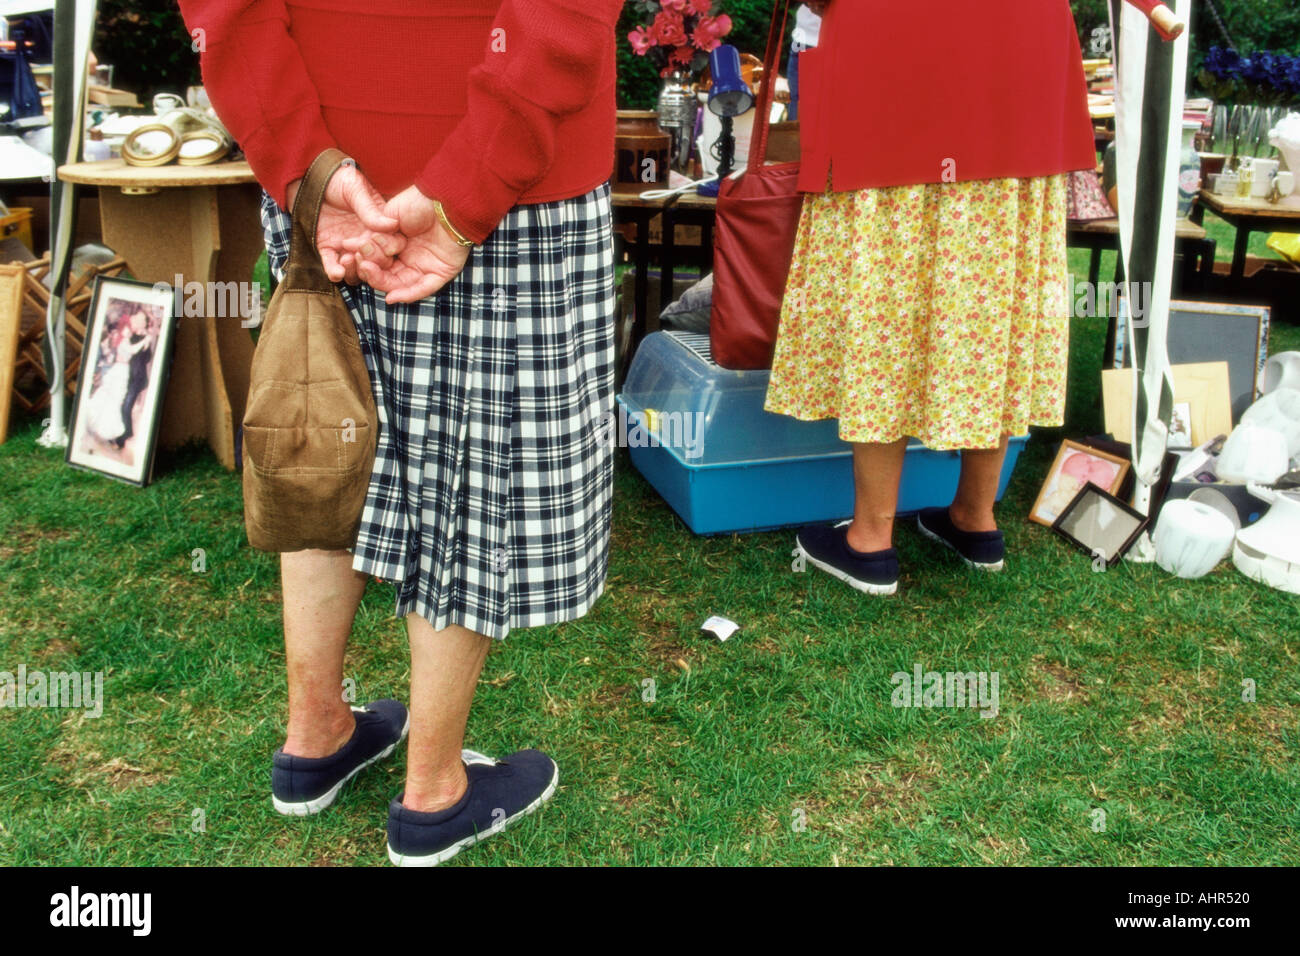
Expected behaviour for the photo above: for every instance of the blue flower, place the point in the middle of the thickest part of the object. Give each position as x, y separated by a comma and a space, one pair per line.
1291, 74
1258, 67
1223, 63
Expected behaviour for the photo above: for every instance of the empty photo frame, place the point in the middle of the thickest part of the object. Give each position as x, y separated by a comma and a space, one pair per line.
1099, 524
1075, 466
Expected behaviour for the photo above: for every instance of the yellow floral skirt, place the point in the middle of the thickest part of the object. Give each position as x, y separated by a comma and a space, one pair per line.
934, 311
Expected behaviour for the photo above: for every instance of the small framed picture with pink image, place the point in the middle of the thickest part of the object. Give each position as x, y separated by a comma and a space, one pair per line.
1076, 466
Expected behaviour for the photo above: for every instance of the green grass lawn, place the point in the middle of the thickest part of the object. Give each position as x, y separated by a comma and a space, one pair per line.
1120, 691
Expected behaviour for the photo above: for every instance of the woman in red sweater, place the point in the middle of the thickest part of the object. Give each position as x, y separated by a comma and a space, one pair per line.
473, 236
926, 297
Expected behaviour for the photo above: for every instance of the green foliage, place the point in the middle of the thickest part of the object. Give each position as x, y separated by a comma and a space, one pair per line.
148, 46
638, 80
1253, 25
1088, 15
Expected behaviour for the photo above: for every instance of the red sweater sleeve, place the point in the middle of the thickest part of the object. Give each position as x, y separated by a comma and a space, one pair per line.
259, 86
544, 60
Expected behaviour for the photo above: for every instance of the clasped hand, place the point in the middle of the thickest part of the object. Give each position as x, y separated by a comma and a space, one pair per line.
400, 247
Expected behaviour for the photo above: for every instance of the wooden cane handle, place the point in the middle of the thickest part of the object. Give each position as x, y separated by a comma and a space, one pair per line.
1166, 22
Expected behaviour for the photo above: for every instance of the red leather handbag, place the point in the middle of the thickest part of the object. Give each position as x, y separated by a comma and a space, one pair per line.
757, 215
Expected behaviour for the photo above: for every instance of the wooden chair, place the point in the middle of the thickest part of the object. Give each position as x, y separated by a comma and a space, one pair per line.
31, 378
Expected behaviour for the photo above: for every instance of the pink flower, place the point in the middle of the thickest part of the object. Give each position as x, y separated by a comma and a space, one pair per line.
682, 55
668, 29
677, 6
641, 41
698, 7
709, 31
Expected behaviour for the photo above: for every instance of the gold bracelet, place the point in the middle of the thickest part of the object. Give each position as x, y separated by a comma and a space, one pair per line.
455, 233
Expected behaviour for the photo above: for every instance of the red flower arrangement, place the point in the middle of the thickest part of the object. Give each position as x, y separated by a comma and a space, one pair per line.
680, 35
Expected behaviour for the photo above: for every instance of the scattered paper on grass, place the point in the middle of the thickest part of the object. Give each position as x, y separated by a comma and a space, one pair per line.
720, 627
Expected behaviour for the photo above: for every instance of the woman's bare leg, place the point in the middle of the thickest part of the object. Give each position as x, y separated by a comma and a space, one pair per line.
444, 672
877, 468
977, 489
321, 595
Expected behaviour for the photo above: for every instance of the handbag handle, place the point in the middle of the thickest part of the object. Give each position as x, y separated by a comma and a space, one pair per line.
767, 87
304, 272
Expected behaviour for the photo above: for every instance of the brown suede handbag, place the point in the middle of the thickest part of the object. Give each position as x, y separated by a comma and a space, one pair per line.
310, 423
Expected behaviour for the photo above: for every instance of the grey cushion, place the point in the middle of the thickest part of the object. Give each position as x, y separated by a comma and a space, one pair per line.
690, 313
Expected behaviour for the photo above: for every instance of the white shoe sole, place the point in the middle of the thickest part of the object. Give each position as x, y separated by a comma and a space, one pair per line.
305, 808
442, 856
994, 566
865, 587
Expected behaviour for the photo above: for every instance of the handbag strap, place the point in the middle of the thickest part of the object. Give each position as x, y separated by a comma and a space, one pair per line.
304, 271
767, 87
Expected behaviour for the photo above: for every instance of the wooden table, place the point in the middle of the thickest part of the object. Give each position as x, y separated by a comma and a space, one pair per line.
1247, 216
688, 209
1190, 239
202, 223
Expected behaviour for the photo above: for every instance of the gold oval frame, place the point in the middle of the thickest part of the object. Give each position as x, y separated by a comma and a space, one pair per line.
134, 158
219, 149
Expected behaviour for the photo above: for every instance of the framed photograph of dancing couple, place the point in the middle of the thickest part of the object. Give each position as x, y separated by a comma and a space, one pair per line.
123, 379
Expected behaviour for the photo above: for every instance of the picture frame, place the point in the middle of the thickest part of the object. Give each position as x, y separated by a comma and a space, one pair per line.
11, 311
1100, 525
122, 382
1069, 474
1210, 332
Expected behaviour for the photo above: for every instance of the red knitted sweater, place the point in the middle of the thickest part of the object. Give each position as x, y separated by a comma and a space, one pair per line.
483, 104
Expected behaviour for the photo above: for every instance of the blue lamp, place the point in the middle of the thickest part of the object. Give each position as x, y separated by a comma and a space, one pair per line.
729, 96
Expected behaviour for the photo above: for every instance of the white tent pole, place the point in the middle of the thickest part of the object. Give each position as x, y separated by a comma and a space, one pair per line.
72, 61
1150, 77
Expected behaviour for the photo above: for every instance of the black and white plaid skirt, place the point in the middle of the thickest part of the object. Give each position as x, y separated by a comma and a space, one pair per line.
489, 504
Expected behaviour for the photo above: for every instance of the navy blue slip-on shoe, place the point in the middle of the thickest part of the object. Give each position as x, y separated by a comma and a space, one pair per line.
301, 786
873, 572
980, 549
499, 792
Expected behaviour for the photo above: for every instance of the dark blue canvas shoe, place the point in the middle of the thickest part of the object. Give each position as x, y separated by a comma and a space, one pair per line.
301, 786
499, 792
980, 549
874, 572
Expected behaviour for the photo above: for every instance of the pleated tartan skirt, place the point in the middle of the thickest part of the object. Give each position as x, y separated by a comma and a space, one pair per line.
489, 504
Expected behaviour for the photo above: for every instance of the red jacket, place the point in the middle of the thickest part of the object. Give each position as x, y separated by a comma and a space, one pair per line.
902, 92
483, 105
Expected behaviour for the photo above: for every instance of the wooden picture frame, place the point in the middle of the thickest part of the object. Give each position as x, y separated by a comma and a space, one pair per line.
1212, 332
1099, 524
12, 278
123, 379
1066, 478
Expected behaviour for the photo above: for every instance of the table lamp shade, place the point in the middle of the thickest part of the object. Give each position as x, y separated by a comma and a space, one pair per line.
729, 95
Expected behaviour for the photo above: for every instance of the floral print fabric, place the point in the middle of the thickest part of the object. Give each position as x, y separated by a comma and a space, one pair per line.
934, 311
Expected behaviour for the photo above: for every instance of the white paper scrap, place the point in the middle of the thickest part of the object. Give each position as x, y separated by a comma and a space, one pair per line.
720, 627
